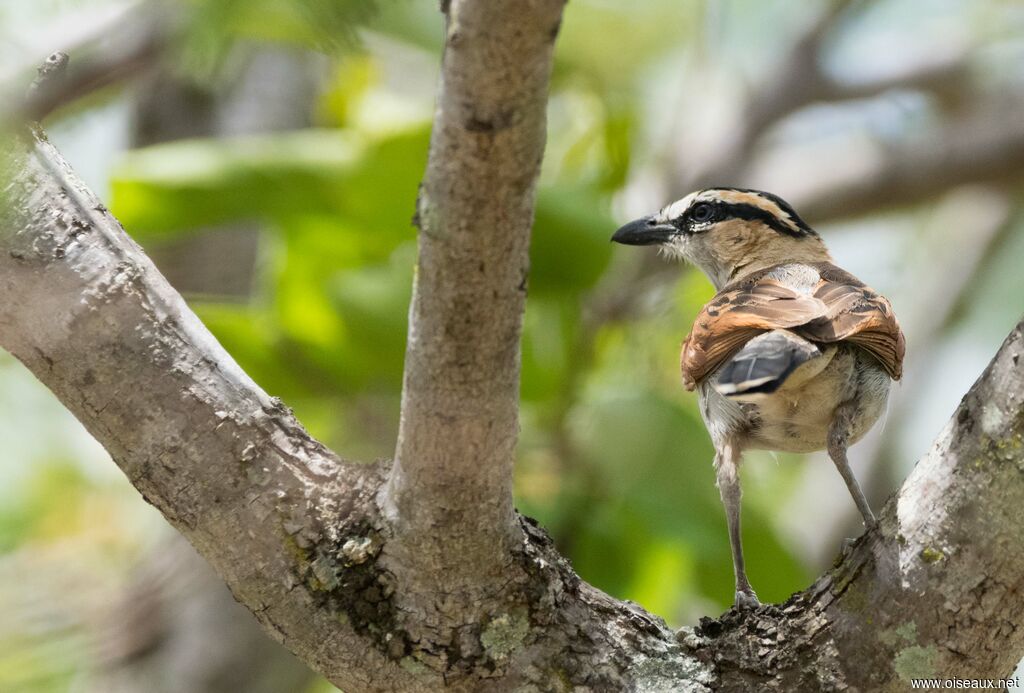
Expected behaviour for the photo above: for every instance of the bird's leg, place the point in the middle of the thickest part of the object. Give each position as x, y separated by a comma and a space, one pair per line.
727, 470
838, 436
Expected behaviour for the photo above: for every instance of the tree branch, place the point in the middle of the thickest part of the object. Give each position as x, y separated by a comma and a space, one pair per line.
116, 54
980, 147
229, 467
450, 492
291, 528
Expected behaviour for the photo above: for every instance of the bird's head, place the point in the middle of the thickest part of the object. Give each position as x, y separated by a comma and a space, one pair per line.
728, 233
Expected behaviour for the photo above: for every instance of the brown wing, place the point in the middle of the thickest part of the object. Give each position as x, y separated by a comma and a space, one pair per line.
737, 315
857, 314
839, 309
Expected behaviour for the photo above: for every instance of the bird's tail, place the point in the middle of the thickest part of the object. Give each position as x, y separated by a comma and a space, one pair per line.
765, 363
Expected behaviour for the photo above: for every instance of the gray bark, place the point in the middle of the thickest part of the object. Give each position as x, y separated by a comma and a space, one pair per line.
89, 313
176, 628
446, 587
460, 396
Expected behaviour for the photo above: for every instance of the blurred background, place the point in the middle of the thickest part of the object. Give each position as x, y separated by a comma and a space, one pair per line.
266, 153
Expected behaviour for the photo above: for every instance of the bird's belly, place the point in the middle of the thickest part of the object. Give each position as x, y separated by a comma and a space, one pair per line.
797, 418
794, 421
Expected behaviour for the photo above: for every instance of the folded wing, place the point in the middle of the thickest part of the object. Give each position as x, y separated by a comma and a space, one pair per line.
840, 308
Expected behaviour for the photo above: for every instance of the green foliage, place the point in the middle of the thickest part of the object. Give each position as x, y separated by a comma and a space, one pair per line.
55, 486
594, 47
357, 178
569, 249
213, 26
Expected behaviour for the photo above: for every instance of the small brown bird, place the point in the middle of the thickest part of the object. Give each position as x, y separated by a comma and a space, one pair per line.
793, 353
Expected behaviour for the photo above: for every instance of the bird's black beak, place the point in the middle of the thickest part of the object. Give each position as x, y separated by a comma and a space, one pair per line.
646, 231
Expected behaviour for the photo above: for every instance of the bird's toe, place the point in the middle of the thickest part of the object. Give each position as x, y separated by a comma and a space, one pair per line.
746, 599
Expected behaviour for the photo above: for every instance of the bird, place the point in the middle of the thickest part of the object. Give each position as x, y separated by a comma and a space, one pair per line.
793, 353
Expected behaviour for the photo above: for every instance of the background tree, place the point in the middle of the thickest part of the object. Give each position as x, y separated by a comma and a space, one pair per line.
325, 327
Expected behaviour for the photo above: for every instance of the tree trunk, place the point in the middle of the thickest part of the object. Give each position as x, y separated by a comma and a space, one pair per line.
418, 575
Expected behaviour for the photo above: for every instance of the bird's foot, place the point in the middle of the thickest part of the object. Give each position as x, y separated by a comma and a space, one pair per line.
746, 599
849, 542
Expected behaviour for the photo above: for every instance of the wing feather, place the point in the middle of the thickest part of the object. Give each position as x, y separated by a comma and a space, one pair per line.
840, 308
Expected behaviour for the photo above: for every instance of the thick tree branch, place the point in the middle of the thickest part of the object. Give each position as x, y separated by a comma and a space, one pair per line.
289, 526
229, 466
293, 531
450, 492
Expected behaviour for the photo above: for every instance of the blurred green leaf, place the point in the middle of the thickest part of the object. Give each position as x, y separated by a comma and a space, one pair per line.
656, 460
664, 577
54, 488
185, 185
632, 36
420, 24
550, 330
213, 26
351, 82
569, 248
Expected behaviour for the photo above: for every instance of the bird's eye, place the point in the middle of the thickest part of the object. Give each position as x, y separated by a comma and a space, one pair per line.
702, 212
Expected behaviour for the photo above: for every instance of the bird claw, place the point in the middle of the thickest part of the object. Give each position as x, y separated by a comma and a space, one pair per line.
849, 542
746, 599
